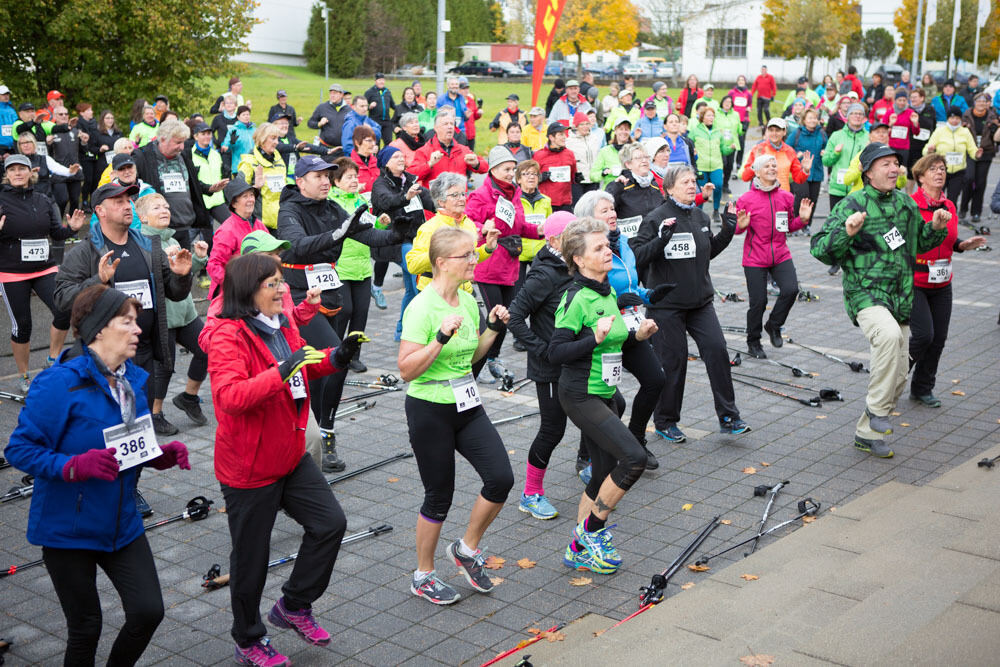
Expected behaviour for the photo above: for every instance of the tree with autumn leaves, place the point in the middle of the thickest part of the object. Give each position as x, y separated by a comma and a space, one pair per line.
597, 25
809, 29
939, 36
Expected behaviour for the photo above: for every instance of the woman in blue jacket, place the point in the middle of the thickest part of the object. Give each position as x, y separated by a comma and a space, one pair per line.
808, 137
83, 433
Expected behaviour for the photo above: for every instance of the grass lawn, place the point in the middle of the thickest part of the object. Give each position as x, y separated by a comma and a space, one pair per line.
306, 90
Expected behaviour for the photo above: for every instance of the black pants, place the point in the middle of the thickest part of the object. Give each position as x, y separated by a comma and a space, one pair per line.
132, 572
975, 188
437, 431
727, 169
492, 295
743, 143
67, 194
552, 425
91, 175
579, 189
187, 336
640, 360
355, 298
928, 332
17, 296
613, 449
788, 286
955, 184
808, 190
386, 127
834, 200
325, 392
671, 347
307, 498
763, 110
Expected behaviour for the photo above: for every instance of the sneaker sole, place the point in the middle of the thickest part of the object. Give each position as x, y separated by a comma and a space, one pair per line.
586, 568
280, 622
868, 450
432, 600
241, 661
679, 440
462, 571
537, 516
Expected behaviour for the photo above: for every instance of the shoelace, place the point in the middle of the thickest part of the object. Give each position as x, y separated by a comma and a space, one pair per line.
264, 645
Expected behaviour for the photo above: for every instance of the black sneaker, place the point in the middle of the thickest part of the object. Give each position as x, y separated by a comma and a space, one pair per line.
733, 426
140, 504
331, 461
651, 462
162, 426
358, 366
833, 270
191, 406
755, 350
471, 567
581, 462
774, 333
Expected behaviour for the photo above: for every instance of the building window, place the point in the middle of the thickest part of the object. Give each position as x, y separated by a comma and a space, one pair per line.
726, 43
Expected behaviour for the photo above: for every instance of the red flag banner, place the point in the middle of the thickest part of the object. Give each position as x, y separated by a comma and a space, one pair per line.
546, 20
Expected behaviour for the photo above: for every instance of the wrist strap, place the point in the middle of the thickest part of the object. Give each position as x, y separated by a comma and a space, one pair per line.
442, 337
496, 325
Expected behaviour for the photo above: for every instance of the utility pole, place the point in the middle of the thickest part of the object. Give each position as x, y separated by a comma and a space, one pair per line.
443, 26
955, 20
914, 71
326, 42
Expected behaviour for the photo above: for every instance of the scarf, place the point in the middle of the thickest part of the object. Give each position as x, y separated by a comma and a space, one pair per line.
122, 392
506, 189
777, 146
658, 170
643, 181
413, 143
765, 188
267, 156
953, 128
686, 207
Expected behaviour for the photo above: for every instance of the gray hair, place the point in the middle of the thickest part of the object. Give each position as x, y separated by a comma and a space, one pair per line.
673, 174
629, 151
446, 181
173, 129
574, 239
408, 118
229, 97
587, 204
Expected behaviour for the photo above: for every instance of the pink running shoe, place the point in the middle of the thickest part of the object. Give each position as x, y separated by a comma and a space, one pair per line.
301, 621
261, 654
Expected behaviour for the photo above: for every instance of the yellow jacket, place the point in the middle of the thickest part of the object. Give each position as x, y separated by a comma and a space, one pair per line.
960, 142
418, 260
853, 180
275, 174
534, 139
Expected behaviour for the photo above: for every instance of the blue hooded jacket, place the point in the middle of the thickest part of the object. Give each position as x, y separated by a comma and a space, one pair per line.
803, 140
351, 121
941, 107
239, 141
67, 408
8, 116
623, 276
458, 104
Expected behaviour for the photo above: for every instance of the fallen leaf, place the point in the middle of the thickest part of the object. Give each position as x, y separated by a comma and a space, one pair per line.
749, 470
554, 636
820, 416
223, 509
650, 429
757, 660
598, 633
955, 381
686, 506
833, 509
694, 567
958, 393
808, 519
580, 581
393, 480
765, 464
525, 564
903, 424
749, 577
687, 586
497, 580
510, 451
494, 563
534, 631
725, 522
895, 414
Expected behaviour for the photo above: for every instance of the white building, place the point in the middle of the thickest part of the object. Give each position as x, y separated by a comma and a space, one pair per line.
735, 25
278, 37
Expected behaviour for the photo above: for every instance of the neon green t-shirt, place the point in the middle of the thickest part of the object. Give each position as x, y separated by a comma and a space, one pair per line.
585, 307
421, 322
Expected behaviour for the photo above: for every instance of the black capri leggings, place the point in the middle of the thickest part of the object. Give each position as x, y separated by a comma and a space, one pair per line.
17, 296
324, 393
437, 431
355, 297
132, 571
613, 449
640, 360
492, 295
187, 336
552, 427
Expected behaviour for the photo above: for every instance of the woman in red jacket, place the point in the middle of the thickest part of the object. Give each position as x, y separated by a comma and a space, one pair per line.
363, 156
932, 281
260, 370
690, 93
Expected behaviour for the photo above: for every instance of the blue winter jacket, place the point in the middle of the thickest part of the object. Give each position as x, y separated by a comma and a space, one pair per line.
996, 101
67, 408
351, 121
239, 141
941, 106
651, 127
8, 116
458, 104
803, 140
623, 276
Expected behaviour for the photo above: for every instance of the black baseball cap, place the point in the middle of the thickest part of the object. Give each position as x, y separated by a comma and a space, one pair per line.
199, 127
26, 106
121, 160
649, 105
555, 128
279, 113
872, 152
112, 190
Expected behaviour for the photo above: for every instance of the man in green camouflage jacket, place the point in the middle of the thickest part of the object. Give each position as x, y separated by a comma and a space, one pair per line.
875, 234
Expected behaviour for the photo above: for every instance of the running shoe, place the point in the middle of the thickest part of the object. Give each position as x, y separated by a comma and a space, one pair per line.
878, 423
301, 621
261, 653
930, 400
598, 543
379, 297
331, 460
774, 333
162, 426
25, 383
191, 406
49, 361
877, 448
142, 506
733, 426
586, 473
473, 568
537, 506
651, 462
609, 547
358, 366
434, 590
496, 368
671, 434
584, 560
581, 462
755, 350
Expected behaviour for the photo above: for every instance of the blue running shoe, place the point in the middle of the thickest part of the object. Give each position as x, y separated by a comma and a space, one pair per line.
671, 434
537, 506
598, 543
609, 548
379, 297
586, 473
583, 560
732, 426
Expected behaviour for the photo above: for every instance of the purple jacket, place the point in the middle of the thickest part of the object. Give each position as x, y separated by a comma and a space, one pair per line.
500, 268
764, 245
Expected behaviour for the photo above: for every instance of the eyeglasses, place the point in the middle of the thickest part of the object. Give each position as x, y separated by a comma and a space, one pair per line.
937, 167
274, 284
530, 174
471, 257
457, 195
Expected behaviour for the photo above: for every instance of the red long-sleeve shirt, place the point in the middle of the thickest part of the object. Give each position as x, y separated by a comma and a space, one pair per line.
764, 86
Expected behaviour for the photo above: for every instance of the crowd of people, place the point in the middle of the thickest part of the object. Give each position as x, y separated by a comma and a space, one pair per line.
587, 234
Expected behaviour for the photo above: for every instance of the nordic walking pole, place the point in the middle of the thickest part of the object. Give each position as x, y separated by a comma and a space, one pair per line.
796, 371
855, 366
524, 643
761, 491
357, 407
14, 569
368, 394
4, 463
197, 509
17, 493
507, 420
806, 508
812, 401
17, 398
372, 466
825, 394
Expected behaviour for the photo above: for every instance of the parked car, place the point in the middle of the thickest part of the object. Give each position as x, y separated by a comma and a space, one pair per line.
510, 69
638, 70
477, 68
665, 71
890, 73
993, 87
602, 70
961, 78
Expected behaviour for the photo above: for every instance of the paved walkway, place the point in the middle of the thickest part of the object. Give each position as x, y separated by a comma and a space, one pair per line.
368, 608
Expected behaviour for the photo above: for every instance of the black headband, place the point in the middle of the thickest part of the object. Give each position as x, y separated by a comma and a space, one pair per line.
105, 308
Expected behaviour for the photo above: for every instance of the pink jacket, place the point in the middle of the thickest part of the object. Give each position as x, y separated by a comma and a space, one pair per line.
500, 268
226, 245
764, 245
747, 96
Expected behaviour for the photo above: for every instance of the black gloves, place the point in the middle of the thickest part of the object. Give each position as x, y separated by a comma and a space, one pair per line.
628, 299
356, 225
728, 218
349, 347
660, 291
666, 231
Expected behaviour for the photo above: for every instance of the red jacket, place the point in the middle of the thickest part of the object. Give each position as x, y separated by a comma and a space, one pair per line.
561, 194
856, 85
476, 114
947, 247
368, 172
682, 100
789, 167
878, 109
908, 120
764, 86
260, 436
453, 160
